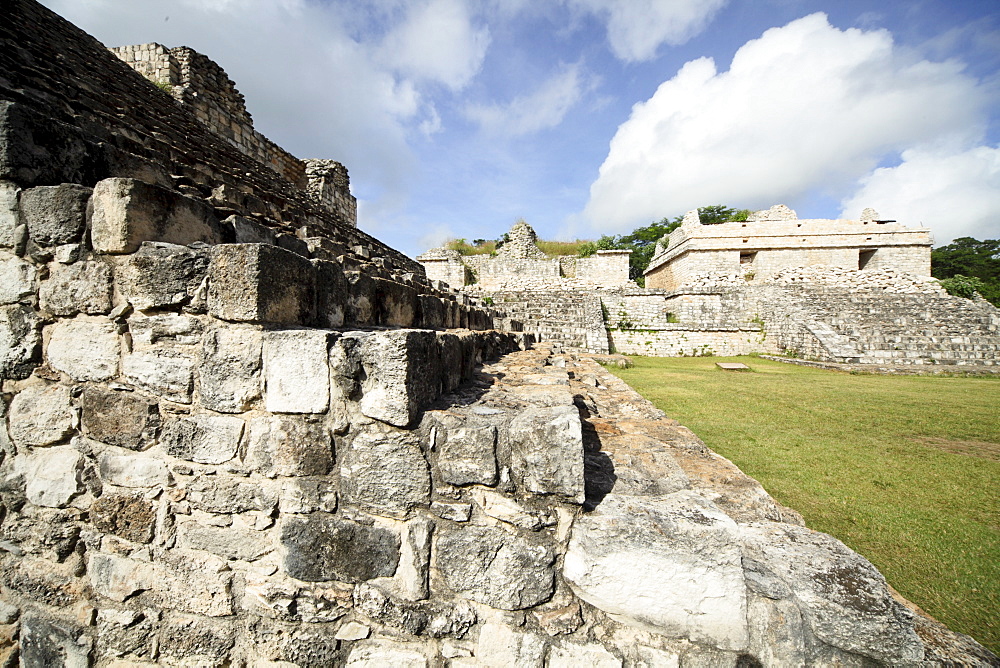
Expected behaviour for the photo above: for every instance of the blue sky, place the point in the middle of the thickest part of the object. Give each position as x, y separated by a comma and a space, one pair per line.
589, 117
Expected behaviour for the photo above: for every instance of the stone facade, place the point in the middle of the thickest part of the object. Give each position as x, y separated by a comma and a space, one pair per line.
267, 454
776, 239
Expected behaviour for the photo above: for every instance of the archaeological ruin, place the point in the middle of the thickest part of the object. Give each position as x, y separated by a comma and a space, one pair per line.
236, 430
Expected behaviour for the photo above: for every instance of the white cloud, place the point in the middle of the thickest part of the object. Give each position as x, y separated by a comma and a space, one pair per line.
543, 108
437, 42
637, 28
954, 194
804, 107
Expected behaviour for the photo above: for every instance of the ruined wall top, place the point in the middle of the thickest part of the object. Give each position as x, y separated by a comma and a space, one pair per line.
521, 244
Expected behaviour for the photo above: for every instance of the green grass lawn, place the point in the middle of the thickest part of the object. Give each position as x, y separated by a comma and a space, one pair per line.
903, 469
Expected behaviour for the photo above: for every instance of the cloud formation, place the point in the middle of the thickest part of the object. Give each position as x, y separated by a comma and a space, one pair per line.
637, 28
804, 106
545, 107
955, 194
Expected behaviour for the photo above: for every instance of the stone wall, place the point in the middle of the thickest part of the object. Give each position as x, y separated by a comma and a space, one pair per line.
771, 241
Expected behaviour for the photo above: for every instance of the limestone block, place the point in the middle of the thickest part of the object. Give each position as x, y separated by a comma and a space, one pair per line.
167, 373
685, 575
52, 476
403, 373
397, 304
571, 655
508, 510
304, 495
650, 657
322, 547
161, 275
229, 369
195, 641
411, 579
226, 542
20, 341
40, 415
18, 279
467, 456
55, 214
133, 470
451, 351
128, 516
361, 307
47, 642
126, 212
82, 287
456, 512
844, 598
167, 327
353, 631
385, 474
296, 371
249, 231
125, 419
432, 312
379, 652
501, 646
547, 451
10, 218
261, 283
331, 294
84, 348
225, 494
496, 567
288, 446
205, 439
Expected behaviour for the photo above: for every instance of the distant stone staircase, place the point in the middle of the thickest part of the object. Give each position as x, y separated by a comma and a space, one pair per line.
904, 329
573, 320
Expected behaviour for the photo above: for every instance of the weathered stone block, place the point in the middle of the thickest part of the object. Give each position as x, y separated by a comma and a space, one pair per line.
224, 494
161, 275
9, 215
261, 283
229, 371
166, 327
47, 642
467, 456
501, 646
547, 451
571, 655
55, 214
302, 495
40, 415
385, 474
196, 641
83, 287
508, 510
324, 547
288, 446
411, 579
133, 470
20, 341
432, 312
249, 231
36, 149
496, 567
296, 371
128, 516
228, 543
84, 348
360, 310
126, 212
52, 476
402, 374
331, 294
684, 558
167, 373
205, 439
18, 279
120, 418
397, 304
381, 652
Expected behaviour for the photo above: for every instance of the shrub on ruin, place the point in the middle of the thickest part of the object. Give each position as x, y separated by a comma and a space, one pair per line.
963, 286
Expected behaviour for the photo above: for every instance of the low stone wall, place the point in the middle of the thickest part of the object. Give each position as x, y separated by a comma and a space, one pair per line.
679, 340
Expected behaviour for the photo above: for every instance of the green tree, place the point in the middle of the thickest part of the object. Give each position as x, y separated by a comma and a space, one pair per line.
967, 258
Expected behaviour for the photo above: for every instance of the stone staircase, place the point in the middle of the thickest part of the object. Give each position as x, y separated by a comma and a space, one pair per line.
573, 320
903, 329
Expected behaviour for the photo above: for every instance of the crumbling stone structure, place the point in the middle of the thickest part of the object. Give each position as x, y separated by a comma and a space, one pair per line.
776, 239
291, 451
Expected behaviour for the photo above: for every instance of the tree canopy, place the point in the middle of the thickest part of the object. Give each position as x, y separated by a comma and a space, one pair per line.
966, 258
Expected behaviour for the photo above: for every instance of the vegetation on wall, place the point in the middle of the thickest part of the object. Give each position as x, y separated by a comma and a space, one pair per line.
966, 266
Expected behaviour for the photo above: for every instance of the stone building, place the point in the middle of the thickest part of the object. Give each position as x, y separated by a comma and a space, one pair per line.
776, 239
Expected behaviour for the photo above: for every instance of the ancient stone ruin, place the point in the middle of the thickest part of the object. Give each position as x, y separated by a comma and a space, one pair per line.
850, 292
237, 431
